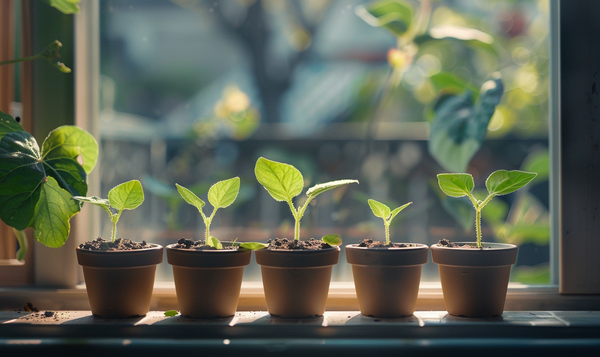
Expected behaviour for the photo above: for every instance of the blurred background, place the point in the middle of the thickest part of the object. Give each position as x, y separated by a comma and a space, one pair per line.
194, 91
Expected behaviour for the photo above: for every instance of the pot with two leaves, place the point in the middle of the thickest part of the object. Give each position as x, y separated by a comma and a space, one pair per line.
295, 273
119, 273
386, 275
208, 273
475, 275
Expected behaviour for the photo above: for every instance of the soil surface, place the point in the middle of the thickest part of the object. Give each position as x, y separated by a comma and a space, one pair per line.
449, 244
100, 244
369, 243
190, 244
292, 244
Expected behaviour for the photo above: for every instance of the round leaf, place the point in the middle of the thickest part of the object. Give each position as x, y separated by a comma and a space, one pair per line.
503, 182
282, 181
128, 195
53, 211
8, 125
72, 142
379, 209
456, 185
224, 193
332, 239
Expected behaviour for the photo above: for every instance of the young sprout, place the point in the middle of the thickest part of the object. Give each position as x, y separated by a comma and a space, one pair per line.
220, 195
128, 195
284, 182
381, 210
500, 182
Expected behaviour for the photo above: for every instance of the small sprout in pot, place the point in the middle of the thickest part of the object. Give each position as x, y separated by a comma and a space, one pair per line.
383, 211
220, 195
501, 182
126, 196
284, 182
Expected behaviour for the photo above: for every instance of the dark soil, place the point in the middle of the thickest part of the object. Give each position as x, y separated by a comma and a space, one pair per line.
190, 244
449, 244
100, 244
369, 243
292, 244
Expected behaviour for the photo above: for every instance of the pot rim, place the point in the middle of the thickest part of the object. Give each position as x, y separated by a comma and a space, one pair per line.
390, 249
387, 257
217, 258
491, 245
297, 258
120, 258
499, 254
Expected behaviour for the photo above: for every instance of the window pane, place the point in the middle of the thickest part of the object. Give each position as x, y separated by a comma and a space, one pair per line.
193, 92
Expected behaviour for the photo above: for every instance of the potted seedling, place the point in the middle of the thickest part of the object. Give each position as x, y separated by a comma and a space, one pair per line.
119, 273
475, 275
295, 273
386, 274
208, 273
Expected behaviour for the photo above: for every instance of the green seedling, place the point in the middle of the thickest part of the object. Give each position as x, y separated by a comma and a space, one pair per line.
284, 182
126, 196
220, 195
499, 183
171, 313
382, 211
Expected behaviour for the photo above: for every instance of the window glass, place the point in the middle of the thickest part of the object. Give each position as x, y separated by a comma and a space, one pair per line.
193, 92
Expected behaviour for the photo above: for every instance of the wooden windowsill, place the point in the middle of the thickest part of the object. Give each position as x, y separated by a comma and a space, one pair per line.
342, 297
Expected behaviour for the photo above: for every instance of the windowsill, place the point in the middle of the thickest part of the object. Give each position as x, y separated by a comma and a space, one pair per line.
342, 297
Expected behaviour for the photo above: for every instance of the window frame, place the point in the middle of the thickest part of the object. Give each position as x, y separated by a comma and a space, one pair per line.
341, 295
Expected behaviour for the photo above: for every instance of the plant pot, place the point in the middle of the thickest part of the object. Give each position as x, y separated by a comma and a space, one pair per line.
208, 282
475, 281
296, 282
387, 279
119, 283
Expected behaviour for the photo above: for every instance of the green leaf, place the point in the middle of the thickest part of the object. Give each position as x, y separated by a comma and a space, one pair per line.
171, 313
322, 187
332, 239
379, 209
449, 83
21, 179
282, 181
52, 214
393, 15
253, 245
456, 185
69, 174
101, 202
71, 142
128, 195
398, 210
224, 193
67, 7
503, 182
190, 197
459, 127
214, 242
8, 125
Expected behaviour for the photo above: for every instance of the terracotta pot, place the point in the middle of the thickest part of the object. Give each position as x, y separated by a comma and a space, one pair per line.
475, 281
119, 284
296, 282
387, 279
208, 282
